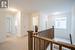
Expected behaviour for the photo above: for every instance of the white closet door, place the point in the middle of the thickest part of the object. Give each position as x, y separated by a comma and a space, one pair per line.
8, 24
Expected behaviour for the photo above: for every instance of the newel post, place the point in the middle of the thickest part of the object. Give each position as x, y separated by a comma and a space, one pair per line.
30, 40
53, 31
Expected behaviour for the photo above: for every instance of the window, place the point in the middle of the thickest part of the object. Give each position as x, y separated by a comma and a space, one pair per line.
60, 22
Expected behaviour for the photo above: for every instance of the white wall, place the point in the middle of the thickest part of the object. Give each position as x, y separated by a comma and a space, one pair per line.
31, 15
73, 24
3, 26
42, 23
20, 24
25, 23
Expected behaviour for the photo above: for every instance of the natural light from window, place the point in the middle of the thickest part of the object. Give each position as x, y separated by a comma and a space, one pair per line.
60, 22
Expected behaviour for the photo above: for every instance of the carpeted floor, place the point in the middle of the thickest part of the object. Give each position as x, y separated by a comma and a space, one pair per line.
15, 44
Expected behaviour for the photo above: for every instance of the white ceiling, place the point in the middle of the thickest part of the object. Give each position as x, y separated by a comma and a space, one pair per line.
42, 5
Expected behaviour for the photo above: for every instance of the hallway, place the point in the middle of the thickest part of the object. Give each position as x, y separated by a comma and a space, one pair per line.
15, 44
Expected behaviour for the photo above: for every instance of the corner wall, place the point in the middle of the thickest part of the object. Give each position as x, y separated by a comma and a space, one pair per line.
25, 23
73, 24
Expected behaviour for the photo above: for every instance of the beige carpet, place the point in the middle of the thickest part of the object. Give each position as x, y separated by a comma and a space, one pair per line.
19, 44
15, 44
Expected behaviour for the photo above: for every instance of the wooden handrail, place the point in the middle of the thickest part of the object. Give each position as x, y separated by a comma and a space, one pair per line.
41, 40
33, 42
67, 45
